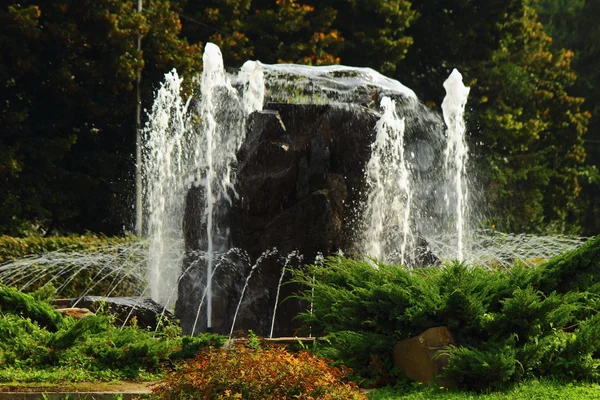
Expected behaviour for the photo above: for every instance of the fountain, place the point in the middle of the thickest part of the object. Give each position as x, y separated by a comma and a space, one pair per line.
308, 160
259, 169
456, 154
388, 204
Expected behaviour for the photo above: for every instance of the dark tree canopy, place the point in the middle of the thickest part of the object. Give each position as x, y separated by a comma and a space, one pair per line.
68, 72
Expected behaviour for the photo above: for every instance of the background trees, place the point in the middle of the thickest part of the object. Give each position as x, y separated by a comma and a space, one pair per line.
535, 172
571, 24
525, 124
267, 30
68, 107
68, 71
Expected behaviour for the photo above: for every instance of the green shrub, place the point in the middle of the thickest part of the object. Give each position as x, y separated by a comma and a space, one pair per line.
83, 328
490, 366
13, 301
92, 348
192, 345
511, 324
351, 295
367, 354
264, 373
576, 270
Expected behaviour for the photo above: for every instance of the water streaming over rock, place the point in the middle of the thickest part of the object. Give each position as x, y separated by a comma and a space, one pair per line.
387, 215
184, 150
352, 161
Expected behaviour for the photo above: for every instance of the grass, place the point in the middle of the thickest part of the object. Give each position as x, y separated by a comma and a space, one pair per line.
529, 390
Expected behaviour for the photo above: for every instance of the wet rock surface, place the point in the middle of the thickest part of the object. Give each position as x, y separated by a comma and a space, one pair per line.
145, 311
295, 173
300, 185
295, 170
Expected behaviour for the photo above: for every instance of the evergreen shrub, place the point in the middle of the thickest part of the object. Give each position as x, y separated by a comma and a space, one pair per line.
509, 324
93, 348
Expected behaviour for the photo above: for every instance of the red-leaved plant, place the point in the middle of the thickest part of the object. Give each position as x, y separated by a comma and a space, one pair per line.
263, 373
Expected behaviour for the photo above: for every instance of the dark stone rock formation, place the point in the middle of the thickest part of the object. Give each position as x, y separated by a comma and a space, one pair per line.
296, 172
300, 177
145, 311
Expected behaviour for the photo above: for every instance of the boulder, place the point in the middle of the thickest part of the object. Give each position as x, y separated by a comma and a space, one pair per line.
145, 311
295, 172
416, 357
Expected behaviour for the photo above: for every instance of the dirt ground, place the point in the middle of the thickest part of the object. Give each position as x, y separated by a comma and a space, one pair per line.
82, 387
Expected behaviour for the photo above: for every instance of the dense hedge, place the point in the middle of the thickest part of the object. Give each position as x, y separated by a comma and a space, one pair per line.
509, 325
12, 247
78, 265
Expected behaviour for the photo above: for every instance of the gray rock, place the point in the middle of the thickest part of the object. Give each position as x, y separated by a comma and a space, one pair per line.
145, 311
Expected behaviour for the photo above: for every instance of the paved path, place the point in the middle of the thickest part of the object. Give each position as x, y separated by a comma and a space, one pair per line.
88, 391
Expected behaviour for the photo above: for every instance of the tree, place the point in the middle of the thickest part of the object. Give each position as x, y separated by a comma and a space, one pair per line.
374, 32
560, 20
533, 129
526, 127
452, 34
270, 31
572, 25
69, 106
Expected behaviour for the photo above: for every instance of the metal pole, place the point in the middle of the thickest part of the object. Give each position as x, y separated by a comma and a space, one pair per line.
138, 144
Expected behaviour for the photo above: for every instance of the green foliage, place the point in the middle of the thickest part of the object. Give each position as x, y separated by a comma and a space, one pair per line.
92, 348
366, 353
12, 248
534, 173
525, 120
271, 31
68, 71
15, 302
375, 33
509, 325
576, 270
246, 373
474, 27
533, 389
488, 367
49, 268
191, 345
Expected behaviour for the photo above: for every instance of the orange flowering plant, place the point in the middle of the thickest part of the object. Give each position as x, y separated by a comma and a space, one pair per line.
241, 372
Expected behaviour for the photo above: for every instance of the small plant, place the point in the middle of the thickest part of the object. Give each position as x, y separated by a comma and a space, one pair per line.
253, 340
242, 372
